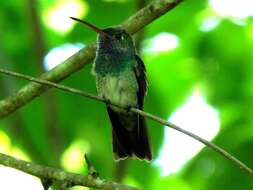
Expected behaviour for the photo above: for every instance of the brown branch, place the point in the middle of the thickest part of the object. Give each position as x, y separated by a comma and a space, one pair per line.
60, 177
211, 145
143, 17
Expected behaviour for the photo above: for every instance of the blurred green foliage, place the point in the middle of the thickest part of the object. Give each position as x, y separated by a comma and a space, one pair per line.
219, 61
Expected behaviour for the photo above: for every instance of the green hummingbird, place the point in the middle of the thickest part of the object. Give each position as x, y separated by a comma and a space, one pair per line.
121, 79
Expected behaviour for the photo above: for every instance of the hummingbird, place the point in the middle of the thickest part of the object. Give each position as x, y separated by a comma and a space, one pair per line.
121, 79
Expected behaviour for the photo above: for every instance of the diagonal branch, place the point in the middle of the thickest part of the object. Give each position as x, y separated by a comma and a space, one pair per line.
211, 145
61, 177
143, 17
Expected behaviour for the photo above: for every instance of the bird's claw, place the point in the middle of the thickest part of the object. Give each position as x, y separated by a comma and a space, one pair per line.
107, 102
128, 108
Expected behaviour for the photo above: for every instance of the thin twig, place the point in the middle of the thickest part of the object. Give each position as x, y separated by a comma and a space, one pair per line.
61, 177
142, 18
91, 169
216, 148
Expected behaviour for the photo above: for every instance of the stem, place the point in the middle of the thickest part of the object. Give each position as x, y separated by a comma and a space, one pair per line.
214, 147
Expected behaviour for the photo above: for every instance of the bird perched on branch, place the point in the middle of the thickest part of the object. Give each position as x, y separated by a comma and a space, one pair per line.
121, 79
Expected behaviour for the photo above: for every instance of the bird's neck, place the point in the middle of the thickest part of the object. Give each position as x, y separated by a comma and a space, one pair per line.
111, 63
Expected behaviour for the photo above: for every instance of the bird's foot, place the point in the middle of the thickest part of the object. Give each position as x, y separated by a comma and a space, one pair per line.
128, 108
107, 101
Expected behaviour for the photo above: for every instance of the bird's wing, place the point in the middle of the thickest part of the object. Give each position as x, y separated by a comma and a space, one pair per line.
140, 72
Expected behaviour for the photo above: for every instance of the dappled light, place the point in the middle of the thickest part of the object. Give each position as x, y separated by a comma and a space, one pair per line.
73, 157
7, 147
209, 23
193, 115
57, 16
236, 10
59, 54
22, 180
161, 42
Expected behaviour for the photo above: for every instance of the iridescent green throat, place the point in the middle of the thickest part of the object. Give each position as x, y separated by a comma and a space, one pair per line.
111, 64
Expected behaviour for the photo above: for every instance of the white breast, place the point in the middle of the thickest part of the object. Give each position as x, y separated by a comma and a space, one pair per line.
120, 90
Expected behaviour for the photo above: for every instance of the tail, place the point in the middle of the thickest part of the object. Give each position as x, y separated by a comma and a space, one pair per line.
130, 136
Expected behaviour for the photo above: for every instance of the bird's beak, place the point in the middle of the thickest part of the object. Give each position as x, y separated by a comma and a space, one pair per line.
93, 27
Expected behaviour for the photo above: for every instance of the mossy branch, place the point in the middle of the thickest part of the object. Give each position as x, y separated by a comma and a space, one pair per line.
214, 147
59, 176
142, 18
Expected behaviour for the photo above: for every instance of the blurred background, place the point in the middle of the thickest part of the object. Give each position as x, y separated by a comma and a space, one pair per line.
199, 60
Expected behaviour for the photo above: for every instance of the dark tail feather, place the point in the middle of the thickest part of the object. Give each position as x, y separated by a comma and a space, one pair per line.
130, 136
143, 150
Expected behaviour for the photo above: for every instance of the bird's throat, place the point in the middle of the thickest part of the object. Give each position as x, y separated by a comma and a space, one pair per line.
111, 63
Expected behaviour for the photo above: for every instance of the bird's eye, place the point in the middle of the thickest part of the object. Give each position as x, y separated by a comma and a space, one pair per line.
119, 37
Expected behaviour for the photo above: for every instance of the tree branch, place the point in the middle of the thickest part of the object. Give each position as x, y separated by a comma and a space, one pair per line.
214, 147
143, 17
61, 177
